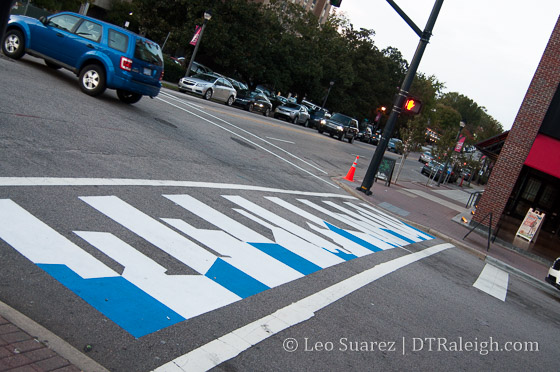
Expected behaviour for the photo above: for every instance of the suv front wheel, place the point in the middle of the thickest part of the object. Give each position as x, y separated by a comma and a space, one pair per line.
92, 80
13, 44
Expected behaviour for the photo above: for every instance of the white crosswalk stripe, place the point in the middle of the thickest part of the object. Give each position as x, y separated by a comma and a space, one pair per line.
231, 261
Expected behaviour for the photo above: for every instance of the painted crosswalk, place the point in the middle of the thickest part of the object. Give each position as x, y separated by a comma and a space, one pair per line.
229, 260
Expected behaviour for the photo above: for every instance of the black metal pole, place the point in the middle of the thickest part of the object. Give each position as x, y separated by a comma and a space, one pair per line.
196, 47
327, 96
399, 101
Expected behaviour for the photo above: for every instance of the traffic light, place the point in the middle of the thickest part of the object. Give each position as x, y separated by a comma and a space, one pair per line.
412, 106
336, 3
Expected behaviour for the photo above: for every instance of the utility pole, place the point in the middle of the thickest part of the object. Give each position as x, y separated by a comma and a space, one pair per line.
403, 92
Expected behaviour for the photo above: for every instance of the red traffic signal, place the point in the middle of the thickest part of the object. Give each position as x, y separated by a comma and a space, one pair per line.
412, 106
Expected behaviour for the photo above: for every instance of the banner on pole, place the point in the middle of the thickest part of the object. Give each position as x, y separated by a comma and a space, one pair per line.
196, 36
460, 143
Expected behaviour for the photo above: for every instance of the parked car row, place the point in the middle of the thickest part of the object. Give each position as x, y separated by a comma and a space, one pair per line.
211, 85
434, 169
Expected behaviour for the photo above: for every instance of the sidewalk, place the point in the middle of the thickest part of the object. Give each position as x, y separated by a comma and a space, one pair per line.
439, 211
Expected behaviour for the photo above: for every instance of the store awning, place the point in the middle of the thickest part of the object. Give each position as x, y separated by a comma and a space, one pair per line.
545, 155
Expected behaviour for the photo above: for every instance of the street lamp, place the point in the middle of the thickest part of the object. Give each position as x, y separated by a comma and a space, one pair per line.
327, 96
444, 170
207, 16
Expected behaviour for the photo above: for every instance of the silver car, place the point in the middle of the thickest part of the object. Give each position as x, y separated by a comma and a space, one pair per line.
293, 112
210, 87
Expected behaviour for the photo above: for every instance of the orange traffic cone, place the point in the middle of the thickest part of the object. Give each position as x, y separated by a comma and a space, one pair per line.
350, 174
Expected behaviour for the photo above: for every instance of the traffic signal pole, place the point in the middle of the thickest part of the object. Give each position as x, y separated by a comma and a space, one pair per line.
367, 183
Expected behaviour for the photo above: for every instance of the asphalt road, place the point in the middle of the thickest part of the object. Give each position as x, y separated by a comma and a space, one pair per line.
146, 231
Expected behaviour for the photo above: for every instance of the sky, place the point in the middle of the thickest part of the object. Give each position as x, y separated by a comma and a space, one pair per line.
487, 50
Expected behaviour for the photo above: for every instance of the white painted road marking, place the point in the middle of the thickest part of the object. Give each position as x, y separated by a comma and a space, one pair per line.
55, 181
232, 261
234, 343
256, 144
493, 281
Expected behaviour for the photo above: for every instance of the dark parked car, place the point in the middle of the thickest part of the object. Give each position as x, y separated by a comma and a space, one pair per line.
375, 138
395, 145
434, 169
277, 100
340, 125
293, 112
197, 68
253, 101
238, 85
364, 135
316, 116
102, 55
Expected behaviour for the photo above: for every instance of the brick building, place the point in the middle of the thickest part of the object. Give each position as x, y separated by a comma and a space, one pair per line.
527, 172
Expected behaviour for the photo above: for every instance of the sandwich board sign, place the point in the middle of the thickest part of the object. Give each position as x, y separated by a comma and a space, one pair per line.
531, 225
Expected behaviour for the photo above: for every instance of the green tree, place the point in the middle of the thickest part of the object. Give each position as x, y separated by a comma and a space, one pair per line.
59, 5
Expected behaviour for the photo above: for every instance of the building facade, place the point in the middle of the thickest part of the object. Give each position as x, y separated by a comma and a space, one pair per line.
527, 171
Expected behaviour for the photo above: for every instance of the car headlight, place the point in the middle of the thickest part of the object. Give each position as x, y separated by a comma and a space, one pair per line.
339, 128
323, 122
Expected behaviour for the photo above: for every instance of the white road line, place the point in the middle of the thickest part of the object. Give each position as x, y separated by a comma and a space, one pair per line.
493, 281
234, 343
55, 181
254, 143
42, 245
281, 140
166, 239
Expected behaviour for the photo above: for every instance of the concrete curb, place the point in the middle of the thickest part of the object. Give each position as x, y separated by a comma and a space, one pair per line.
52, 341
524, 276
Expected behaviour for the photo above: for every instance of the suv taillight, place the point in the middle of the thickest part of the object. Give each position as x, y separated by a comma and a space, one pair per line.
126, 64
161, 76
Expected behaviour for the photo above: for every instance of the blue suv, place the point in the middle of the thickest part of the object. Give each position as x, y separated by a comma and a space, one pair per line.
102, 55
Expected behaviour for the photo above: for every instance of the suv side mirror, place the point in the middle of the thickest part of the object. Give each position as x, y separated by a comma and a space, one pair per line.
43, 20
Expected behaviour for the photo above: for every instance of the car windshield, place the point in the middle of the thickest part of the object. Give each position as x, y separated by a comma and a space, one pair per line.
206, 77
148, 51
341, 118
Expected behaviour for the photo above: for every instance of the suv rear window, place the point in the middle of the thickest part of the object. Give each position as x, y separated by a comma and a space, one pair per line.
118, 41
148, 52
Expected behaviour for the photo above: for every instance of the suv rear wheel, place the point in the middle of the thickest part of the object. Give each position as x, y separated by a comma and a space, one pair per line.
13, 44
92, 80
128, 97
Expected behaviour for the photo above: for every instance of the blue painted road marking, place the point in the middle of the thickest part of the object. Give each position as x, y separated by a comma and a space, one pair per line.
226, 256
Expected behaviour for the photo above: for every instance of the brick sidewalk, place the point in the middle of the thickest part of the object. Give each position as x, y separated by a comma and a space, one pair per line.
20, 352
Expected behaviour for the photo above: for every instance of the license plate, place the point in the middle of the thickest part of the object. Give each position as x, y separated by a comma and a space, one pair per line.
147, 71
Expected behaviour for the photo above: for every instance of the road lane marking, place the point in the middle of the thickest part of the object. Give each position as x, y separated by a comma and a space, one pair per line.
254, 143
234, 343
493, 281
281, 140
62, 181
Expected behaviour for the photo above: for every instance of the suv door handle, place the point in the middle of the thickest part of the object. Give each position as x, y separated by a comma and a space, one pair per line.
90, 46
59, 34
